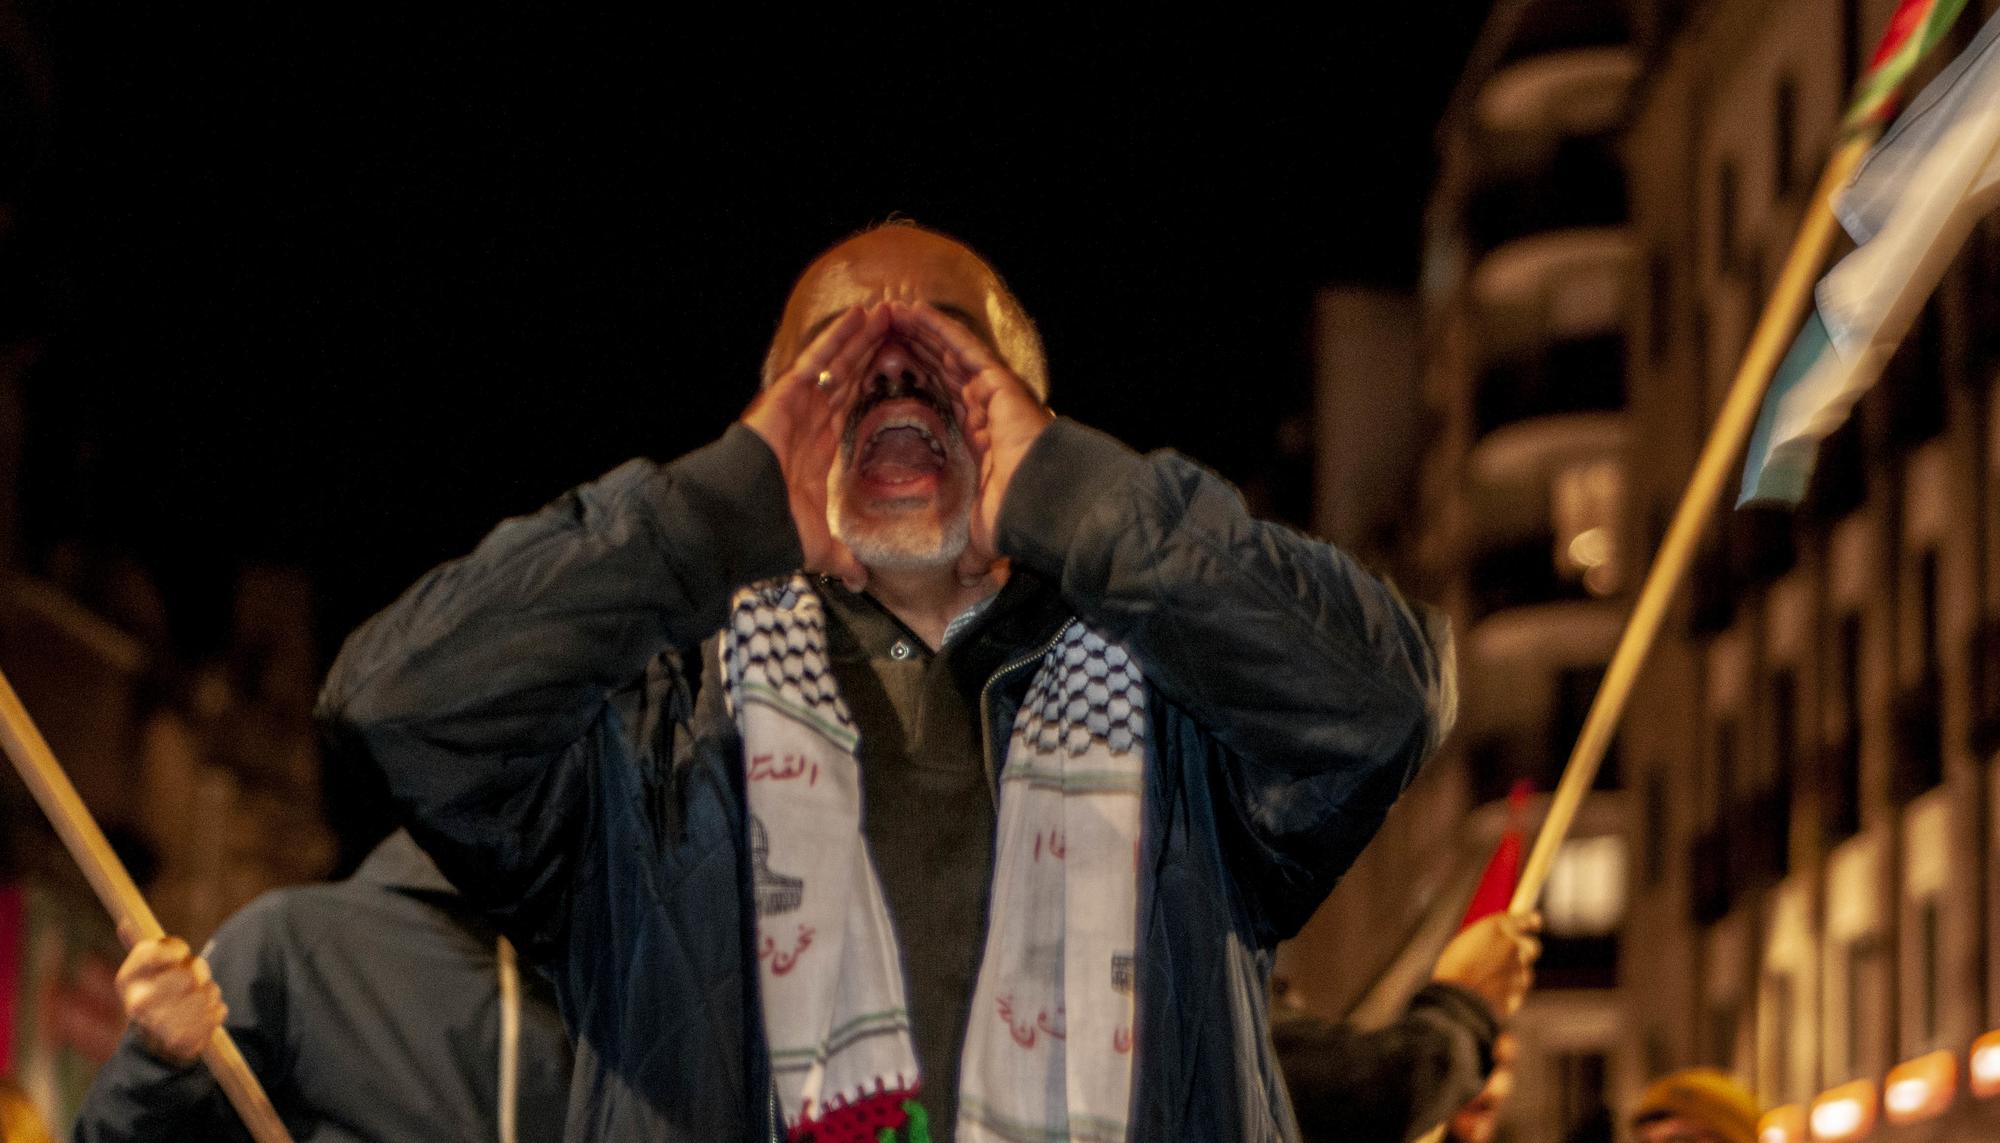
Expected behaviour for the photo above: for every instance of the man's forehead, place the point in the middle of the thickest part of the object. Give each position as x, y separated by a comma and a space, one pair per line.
901, 263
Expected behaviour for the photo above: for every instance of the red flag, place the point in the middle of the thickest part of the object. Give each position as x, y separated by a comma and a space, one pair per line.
1503, 872
13, 936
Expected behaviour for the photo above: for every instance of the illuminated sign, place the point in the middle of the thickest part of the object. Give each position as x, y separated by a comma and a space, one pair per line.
1921, 1088
1845, 1112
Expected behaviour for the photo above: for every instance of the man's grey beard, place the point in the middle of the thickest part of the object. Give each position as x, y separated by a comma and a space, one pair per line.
907, 543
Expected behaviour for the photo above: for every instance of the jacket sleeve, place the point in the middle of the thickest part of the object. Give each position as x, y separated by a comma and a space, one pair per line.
137, 1096
1394, 1083
1325, 689
481, 693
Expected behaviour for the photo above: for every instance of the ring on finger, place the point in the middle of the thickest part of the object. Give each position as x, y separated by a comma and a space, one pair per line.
825, 379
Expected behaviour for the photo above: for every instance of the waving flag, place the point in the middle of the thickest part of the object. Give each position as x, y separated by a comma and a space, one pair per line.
1911, 205
1503, 870
1914, 30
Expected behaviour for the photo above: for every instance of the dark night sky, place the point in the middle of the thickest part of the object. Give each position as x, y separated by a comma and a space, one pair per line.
342, 291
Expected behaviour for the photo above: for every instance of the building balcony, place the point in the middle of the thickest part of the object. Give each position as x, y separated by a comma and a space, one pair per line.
1570, 91
1581, 375
1513, 474
1556, 286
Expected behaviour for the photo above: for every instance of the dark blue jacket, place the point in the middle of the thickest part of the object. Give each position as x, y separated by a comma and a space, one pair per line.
369, 1009
539, 710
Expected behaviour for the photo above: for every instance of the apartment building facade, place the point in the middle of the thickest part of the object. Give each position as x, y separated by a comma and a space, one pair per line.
1785, 868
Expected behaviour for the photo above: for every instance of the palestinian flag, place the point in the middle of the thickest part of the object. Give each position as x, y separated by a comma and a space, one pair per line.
1914, 30
1911, 205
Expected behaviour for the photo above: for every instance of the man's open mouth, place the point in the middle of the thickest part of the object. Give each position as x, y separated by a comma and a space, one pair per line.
903, 441
899, 434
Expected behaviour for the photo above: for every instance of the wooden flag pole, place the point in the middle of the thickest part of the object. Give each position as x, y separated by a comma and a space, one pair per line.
1725, 441
1774, 332
37, 766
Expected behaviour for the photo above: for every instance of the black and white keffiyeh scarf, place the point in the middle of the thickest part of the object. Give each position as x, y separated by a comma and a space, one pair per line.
1048, 1050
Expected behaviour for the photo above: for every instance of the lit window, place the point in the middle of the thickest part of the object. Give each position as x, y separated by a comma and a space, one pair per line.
1585, 500
1586, 888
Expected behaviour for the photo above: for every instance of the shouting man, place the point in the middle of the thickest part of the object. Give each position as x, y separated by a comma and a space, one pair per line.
909, 758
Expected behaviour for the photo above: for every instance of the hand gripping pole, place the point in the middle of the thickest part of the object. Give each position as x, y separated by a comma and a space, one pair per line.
37, 766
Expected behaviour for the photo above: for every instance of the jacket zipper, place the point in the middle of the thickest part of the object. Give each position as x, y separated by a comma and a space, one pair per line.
986, 709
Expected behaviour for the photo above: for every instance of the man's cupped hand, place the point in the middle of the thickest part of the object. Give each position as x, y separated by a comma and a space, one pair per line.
802, 420
998, 413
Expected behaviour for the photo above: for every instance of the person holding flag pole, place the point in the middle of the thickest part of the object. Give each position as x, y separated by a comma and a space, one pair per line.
1916, 26
1917, 193
86, 843
1447, 1049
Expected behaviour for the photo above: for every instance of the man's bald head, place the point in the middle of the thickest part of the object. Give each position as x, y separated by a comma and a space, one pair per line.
902, 261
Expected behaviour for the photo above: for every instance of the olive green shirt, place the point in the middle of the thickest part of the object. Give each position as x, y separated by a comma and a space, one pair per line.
929, 803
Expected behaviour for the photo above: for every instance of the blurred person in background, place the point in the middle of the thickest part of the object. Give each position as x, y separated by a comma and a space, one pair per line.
1479, 1121
380, 1008
1397, 1082
1695, 1105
